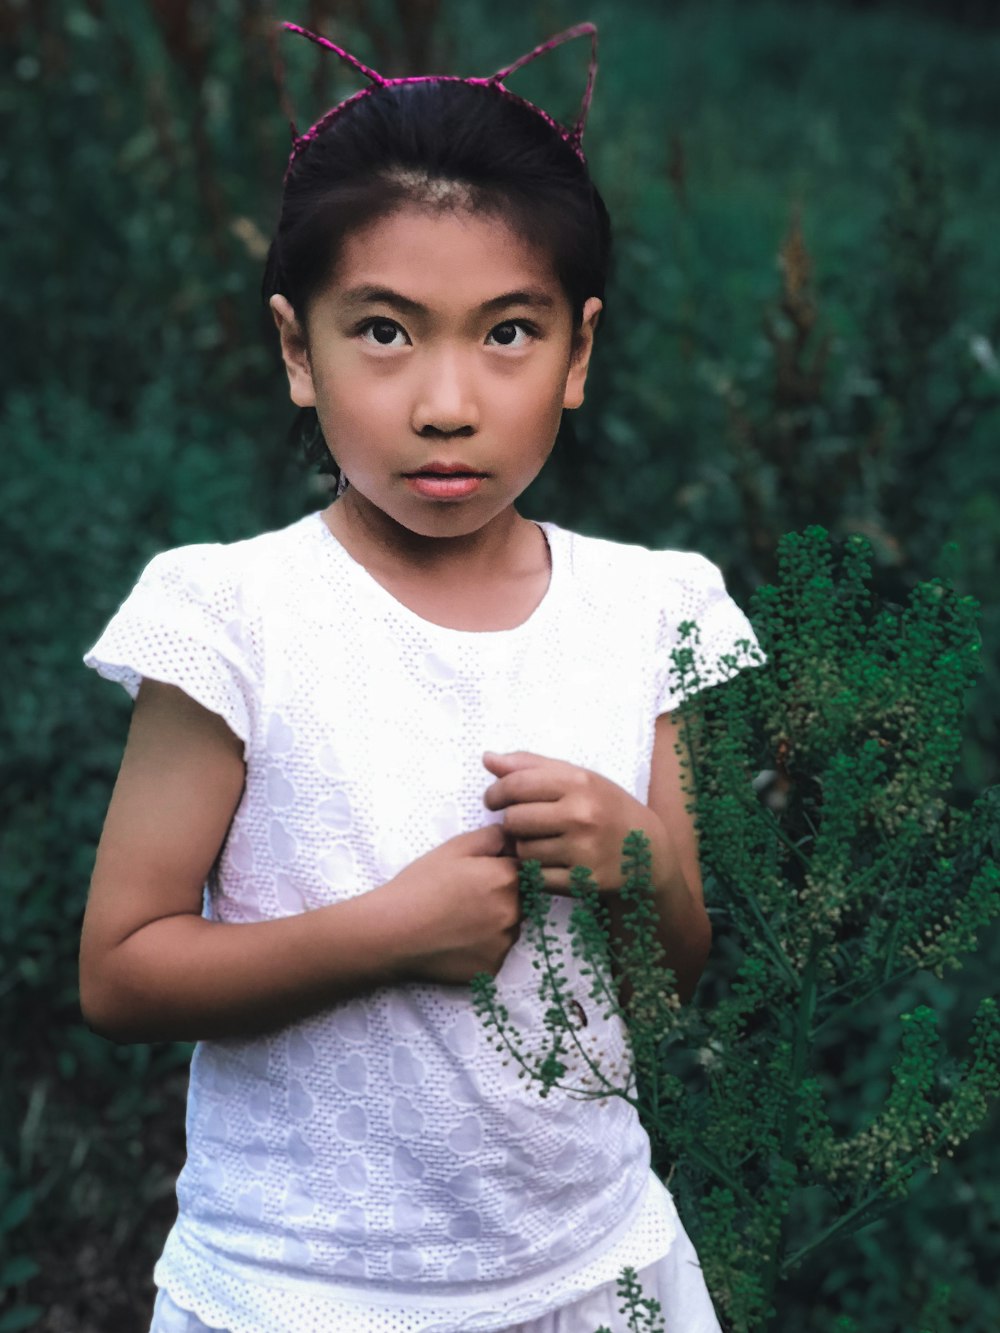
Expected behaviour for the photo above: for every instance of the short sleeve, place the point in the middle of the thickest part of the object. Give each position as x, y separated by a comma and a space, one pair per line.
722, 641
185, 624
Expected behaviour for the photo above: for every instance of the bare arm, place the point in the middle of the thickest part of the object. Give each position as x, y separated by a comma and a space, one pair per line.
684, 928
151, 968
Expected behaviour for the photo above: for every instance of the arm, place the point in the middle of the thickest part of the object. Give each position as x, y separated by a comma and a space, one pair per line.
152, 968
685, 932
566, 816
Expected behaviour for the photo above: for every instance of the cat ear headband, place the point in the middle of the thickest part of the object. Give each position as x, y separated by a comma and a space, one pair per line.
573, 136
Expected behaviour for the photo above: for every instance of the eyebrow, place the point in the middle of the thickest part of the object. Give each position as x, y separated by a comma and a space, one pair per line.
369, 295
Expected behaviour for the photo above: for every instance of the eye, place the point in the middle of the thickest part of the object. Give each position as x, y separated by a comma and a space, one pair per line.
383, 332
505, 334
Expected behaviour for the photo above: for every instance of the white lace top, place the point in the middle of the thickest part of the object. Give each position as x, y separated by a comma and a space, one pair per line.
379, 1166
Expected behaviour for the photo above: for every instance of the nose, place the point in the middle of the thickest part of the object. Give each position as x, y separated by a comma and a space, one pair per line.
445, 402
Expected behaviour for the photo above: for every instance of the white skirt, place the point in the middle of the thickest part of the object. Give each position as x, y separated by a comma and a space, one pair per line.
675, 1281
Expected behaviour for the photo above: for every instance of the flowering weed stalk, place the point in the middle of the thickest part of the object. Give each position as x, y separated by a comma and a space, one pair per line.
834, 868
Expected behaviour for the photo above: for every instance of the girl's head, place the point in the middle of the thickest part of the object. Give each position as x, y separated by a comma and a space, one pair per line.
451, 151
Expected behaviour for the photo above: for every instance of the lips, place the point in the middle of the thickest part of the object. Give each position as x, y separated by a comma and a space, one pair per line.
437, 469
438, 480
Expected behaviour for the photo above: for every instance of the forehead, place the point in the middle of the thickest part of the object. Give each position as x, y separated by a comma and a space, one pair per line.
444, 258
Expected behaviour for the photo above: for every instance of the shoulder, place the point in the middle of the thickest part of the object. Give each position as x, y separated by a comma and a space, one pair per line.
196, 617
697, 634
636, 566
228, 572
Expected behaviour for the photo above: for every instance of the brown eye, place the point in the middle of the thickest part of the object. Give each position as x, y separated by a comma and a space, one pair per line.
381, 331
507, 333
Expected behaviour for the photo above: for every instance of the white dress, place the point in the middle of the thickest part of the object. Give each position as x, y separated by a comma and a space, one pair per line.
378, 1167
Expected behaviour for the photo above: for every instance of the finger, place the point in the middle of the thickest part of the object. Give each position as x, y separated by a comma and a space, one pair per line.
540, 819
501, 764
548, 851
490, 840
526, 784
556, 880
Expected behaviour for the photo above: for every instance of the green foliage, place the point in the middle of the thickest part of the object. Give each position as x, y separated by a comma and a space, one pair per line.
91, 1134
860, 390
16, 1267
641, 1311
634, 953
835, 869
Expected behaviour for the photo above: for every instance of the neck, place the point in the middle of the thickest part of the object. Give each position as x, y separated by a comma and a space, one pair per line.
377, 541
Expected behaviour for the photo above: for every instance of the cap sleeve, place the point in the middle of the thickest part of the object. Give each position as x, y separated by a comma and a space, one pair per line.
723, 642
185, 624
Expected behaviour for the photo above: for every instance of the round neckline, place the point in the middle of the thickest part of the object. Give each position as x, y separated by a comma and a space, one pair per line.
365, 579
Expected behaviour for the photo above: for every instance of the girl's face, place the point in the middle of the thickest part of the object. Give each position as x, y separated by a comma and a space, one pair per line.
443, 339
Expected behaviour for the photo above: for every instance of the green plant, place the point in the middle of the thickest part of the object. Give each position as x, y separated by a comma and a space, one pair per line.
835, 869
16, 1267
641, 1311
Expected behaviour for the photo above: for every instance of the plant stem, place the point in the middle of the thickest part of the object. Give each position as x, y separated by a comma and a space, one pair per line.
800, 1050
860, 999
565, 1024
766, 931
793, 1260
783, 837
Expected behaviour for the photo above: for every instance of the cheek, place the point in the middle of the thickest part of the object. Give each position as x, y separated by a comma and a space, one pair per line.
549, 418
360, 402
540, 400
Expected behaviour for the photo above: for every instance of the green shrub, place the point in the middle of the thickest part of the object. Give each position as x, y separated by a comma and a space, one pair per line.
91, 1134
834, 869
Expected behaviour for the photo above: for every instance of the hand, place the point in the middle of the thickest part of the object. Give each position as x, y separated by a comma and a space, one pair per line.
565, 816
456, 910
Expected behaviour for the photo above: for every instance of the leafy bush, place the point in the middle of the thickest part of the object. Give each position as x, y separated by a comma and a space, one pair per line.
91, 1134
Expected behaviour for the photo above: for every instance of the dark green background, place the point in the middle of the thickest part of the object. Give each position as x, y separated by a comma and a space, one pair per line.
803, 326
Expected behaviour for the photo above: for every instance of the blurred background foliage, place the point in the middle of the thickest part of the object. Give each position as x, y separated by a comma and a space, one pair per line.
803, 327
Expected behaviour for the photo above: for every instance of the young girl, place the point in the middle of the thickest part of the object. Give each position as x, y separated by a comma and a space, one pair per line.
349, 733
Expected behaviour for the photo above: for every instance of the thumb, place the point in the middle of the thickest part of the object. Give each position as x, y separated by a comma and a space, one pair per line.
502, 764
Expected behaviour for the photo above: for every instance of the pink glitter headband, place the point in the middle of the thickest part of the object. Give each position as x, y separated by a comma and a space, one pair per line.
574, 136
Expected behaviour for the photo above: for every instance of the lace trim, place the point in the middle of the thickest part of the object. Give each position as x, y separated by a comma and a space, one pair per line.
243, 1299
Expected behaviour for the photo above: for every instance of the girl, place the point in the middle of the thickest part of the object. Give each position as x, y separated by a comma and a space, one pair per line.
351, 731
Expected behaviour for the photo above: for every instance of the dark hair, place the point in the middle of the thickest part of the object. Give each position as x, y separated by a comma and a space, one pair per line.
440, 145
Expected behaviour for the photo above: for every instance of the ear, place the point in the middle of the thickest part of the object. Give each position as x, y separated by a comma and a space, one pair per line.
294, 353
583, 345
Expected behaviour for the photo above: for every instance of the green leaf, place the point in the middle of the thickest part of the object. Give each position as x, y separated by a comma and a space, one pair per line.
17, 1270
22, 1316
15, 1210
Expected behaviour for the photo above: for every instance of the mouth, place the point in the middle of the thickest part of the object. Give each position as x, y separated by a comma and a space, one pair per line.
437, 469
445, 481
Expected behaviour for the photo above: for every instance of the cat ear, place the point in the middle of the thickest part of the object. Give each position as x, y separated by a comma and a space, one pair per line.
279, 65
573, 136
580, 30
